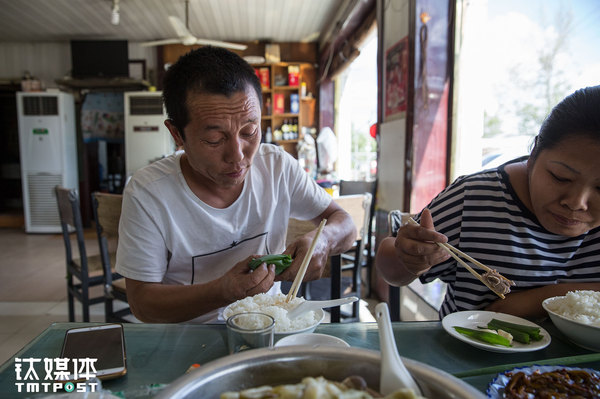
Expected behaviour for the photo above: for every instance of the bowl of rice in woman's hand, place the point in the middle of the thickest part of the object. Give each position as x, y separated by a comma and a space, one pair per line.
577, 315
278, 308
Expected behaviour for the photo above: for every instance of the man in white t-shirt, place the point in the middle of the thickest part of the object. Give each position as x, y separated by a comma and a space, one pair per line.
191, 222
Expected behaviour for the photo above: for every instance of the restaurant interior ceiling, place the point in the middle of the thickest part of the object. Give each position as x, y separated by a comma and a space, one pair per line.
148, 20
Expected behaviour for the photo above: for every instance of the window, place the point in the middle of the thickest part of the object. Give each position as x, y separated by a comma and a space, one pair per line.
356, 111
515, 61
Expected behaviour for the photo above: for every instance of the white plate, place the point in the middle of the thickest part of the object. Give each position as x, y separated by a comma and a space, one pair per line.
495, 389
474, 318
312, 339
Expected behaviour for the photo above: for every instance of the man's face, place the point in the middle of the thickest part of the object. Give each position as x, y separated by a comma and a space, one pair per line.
221, 138
564, 187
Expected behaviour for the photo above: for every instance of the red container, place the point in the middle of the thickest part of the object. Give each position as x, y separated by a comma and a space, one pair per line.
263, 75
278, 103
293, 75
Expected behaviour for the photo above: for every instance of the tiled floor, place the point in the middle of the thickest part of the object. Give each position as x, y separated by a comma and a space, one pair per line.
33, 287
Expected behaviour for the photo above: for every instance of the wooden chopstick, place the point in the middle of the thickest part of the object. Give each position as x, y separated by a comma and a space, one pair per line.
454, 252
302, 271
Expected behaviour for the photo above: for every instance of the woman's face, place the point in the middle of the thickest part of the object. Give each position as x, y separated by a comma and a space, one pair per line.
564, 186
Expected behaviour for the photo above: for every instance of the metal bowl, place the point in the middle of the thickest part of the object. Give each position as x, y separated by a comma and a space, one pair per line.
289, 364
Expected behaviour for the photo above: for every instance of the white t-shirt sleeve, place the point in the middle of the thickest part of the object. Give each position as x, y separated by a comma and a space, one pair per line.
141, 254
307, 199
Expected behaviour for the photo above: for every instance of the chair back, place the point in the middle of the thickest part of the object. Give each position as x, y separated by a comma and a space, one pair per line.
357, 206
296, 228
70, 220
349, 187
107, 213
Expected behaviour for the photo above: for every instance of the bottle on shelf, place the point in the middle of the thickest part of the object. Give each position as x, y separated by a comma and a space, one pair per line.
285, 129
268, 135
278, 134
295, 129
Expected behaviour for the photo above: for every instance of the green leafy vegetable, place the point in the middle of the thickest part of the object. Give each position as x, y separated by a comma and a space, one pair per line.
281, 262
517, 330
484, 336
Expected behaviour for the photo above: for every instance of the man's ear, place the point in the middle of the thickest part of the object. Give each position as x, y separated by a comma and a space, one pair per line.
177, 138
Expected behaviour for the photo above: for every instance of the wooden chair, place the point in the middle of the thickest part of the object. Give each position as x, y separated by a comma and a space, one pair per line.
350, 187
357, 206
107, 212
395, 220
83, 272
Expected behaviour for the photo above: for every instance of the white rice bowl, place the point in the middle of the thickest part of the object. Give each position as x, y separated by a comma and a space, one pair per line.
582, 306
577, 315
276, 307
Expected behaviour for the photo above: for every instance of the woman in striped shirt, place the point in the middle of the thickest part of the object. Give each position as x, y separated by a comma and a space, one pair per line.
535, 220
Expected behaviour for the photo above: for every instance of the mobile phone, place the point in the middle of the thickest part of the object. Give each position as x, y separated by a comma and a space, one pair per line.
106, 343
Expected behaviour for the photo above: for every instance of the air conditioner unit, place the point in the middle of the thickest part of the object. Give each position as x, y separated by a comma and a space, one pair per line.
48, 151
146, 136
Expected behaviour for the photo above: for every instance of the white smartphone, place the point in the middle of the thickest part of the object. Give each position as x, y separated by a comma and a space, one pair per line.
105, 343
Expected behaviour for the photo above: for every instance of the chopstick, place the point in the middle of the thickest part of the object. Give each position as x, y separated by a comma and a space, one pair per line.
454, 252
302, 271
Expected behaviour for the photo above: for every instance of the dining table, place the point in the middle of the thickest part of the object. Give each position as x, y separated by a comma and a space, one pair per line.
158, 354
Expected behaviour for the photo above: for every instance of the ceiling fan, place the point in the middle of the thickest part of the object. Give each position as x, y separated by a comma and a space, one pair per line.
184, 36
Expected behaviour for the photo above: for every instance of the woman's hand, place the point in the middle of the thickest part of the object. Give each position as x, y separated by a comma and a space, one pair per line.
402, 259
416, 246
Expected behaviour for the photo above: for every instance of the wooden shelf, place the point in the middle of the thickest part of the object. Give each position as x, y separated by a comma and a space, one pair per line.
305, 117
104, 83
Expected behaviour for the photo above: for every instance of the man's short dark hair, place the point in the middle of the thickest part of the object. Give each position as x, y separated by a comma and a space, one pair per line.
210, 70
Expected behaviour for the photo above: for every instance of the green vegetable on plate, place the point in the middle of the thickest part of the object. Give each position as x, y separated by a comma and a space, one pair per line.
280, 261
518, 331
484, 336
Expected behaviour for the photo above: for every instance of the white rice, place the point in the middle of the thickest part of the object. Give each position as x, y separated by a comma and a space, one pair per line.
276, 307
582, 306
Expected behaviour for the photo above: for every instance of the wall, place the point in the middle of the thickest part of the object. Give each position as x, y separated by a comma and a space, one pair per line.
48, 61
392, 133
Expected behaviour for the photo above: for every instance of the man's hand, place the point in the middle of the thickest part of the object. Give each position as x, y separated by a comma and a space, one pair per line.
298, 250
240, 281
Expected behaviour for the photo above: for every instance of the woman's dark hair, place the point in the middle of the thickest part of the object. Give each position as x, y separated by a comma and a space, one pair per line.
209, 70
577, 115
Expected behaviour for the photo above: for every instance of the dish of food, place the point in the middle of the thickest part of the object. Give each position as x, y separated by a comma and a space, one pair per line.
475, 319
276, 307
577, 315
290, 364
581, 306
545, 382
498, 282
312, 339
350, 387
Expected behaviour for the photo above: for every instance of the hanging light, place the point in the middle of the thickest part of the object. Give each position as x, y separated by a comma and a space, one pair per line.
114, 15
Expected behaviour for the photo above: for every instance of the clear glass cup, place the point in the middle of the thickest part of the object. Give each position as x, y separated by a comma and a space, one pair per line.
249, 330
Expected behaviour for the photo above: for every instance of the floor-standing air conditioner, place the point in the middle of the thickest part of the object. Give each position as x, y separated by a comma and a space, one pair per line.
48, 153
146, 136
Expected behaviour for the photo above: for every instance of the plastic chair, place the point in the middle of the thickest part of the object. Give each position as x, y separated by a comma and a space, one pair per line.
107, 212
85, 269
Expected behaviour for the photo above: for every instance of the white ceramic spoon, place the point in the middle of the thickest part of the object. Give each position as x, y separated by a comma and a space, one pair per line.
307, 306
394, 374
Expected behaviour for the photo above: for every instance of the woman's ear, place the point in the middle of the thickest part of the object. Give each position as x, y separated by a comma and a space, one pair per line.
177, 137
